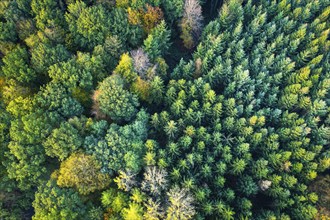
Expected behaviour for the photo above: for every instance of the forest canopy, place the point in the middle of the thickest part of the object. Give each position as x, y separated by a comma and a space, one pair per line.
164, 109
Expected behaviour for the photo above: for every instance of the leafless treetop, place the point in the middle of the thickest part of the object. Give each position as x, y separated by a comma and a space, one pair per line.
141, 62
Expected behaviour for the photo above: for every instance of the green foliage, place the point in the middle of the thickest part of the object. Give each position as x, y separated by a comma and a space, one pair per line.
71, 75
7, 30
115, 101
43, 56
49, 17
123, 146
244, 101
62, 141
136, 3
130, 35
88, 25
96, 89
53, 202
4, 133
173, 9
26, 135
16, 66
95, 213
14, 204
115, 201
55, 98
157, 41
109, 53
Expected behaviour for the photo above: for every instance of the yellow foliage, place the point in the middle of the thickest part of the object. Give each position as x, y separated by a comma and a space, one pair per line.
6, 47
325, 14
186, 36
13, 90
142, 88
151, 18
125, 68
82, 172
316, 60
122, 3
134, 212
261, 121
134, 16
148, 18
161, 66
253, 120
2, 83
19, 106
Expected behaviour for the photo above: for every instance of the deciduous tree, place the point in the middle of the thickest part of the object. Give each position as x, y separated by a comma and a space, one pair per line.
191, 23
53, 202
113, 98
82, 172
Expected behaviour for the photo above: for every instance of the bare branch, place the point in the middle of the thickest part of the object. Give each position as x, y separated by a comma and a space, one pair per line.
181, 204
154, 180
141, 62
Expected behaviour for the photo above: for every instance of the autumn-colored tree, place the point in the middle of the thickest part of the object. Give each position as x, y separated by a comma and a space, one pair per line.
239, 127
151, 17
82, 172
181, 204
133, 212
125, 68
191, 23
147, 16
134, 16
